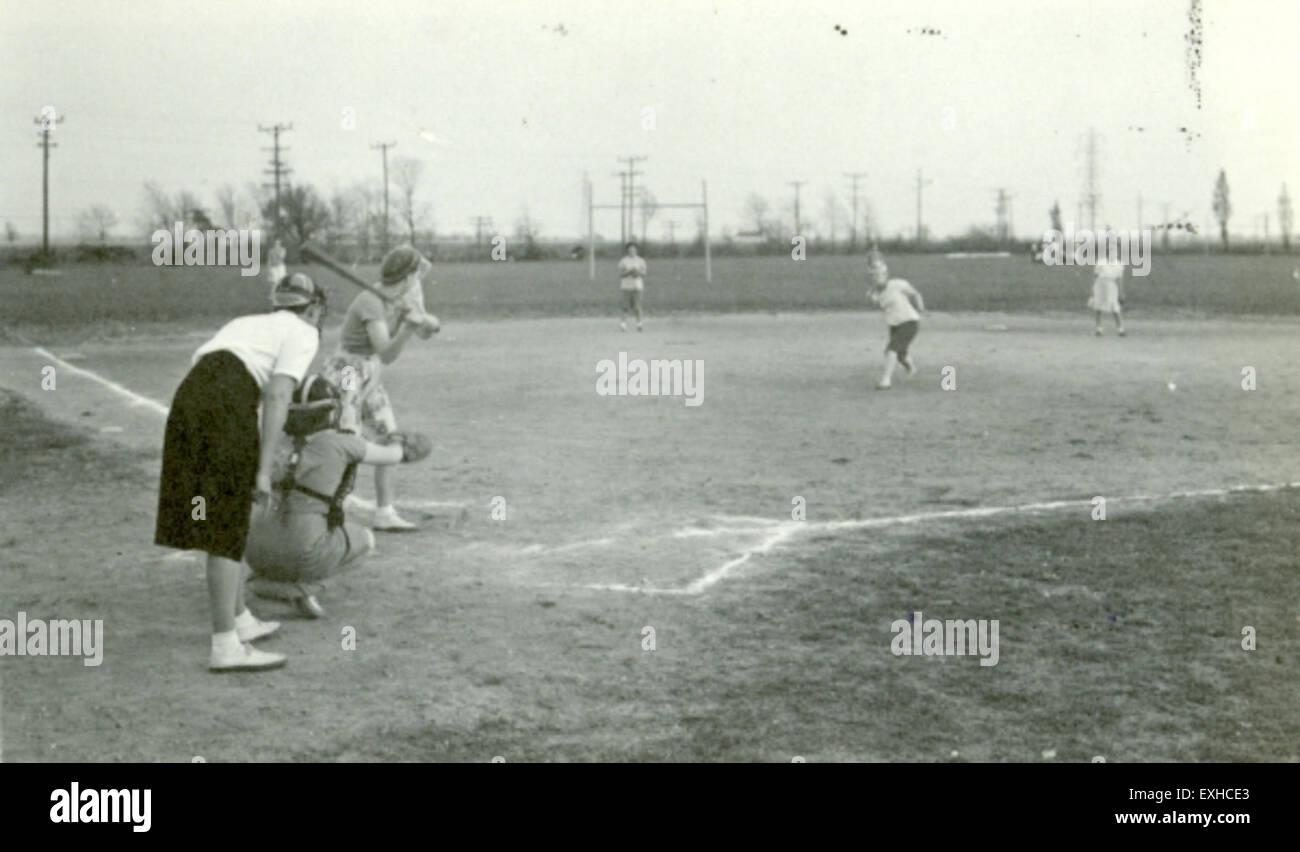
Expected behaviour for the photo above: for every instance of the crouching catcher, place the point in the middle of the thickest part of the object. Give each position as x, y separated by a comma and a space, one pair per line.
304, 537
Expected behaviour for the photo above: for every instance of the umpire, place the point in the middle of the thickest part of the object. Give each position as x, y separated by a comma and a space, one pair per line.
215, 466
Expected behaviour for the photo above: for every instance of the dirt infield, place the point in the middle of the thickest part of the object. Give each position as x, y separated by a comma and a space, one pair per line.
480, 637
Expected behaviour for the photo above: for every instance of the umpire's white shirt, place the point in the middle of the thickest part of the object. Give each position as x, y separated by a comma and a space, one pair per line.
280, 342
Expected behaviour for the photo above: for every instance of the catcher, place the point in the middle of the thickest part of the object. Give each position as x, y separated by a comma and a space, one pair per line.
303, 536
374, 333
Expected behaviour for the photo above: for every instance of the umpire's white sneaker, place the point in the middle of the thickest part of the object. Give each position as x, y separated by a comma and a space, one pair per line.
387, 520
231, 655
250, 627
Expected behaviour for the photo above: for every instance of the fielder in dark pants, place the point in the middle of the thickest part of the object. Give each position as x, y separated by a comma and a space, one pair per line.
903, 307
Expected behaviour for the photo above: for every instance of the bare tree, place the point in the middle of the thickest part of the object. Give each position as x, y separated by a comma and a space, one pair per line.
236, 212
95, 222
1222, 206
343, 213
303, 213
406, 174
1284, 216
526, 230
162, 211
11, 233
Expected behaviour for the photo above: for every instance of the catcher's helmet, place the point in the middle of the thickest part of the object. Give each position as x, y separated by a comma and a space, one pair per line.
314, 406
296, 290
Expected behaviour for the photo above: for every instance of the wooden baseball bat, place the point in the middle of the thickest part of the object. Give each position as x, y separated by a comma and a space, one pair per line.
311, 251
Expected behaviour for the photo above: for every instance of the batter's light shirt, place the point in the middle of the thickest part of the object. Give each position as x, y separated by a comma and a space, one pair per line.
635, 265
278, 343
894, 302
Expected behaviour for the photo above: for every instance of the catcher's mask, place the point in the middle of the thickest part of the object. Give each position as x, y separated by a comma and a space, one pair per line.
315, 406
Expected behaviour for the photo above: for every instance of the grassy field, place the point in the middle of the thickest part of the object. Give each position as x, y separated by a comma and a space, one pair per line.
123, 300
524, 638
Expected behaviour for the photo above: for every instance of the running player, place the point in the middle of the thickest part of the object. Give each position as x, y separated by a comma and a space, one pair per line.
215, 465
631, 281
903, 307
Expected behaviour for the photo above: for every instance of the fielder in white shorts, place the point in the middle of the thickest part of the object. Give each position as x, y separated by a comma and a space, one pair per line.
631, 282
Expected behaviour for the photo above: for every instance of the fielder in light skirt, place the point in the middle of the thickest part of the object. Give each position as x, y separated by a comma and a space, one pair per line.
1107, 296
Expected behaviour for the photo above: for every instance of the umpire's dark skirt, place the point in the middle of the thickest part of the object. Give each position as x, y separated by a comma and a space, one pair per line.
210, 451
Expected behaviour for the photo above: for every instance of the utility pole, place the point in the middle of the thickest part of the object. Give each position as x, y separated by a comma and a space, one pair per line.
1091, 197
629, 194
854, 177
921, 184
480, 224
1002, 209
796, 184
48, 121
383, 149
278, 169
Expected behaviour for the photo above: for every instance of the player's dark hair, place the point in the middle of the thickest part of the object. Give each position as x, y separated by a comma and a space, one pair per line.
629, 245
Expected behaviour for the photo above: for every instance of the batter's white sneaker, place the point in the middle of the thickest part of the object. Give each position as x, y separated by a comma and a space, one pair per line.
387, 520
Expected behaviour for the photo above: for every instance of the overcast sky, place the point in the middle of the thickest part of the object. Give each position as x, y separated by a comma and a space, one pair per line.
516, 100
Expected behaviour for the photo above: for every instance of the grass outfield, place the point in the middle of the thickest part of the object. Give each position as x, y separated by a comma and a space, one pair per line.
480, 637
127, 299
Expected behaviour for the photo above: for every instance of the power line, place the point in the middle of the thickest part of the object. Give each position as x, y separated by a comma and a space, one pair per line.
1002, 209
854, 177
1090, 196
796, 184
278, 169
48, 121
383, 149
921, 184
481, 224
629, 175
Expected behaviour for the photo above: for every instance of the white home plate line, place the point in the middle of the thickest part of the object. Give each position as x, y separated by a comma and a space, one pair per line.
135, 398
365, 505
781, 531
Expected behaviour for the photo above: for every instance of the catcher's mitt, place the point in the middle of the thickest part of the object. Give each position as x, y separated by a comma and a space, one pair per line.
415, 445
